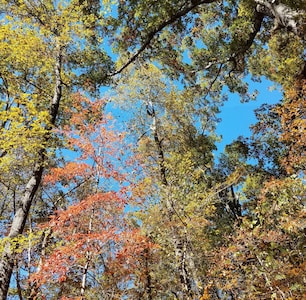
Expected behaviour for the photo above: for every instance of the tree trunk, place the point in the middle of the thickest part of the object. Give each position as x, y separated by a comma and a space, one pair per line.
22, 212
183, 254
88, 257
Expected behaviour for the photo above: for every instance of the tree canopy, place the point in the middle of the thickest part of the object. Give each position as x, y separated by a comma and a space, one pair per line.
142, 207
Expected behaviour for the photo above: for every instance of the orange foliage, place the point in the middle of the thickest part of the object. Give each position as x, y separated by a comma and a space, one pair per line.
205, 295
69, 172
294, 127
94, 223
267, 250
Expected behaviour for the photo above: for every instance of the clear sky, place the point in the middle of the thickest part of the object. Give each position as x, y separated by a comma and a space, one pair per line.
237, 117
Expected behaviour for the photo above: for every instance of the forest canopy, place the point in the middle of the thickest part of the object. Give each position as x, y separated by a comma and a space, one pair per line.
141, 207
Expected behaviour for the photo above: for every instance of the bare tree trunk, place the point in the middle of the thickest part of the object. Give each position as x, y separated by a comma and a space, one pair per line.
20, 217
90, 227
19, 289
86, 267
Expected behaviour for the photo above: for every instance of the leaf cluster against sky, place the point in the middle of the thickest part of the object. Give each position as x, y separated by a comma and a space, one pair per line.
144, 204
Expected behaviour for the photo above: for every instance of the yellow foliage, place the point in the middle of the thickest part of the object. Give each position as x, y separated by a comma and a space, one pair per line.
246, 8
205, 294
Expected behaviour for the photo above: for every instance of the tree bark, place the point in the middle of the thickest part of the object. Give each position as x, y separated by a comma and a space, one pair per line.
88, 258
283, 15
22, 212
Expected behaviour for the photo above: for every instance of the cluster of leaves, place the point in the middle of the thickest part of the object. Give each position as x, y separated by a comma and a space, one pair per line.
149, 212
293, 120
265, 256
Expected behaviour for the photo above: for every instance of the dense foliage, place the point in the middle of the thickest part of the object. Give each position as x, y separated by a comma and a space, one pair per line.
140, 207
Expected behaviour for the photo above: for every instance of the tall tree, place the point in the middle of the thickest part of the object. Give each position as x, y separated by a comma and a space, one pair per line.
185, 206
92, 250
41, 64
265, 256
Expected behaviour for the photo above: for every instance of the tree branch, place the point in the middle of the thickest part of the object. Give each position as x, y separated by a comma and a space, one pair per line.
159, 28
283, 15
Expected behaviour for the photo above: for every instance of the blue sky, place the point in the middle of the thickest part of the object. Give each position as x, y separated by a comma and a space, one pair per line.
237, 117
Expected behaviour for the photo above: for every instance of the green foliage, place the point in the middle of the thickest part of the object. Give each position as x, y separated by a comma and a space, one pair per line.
177, 222
281, 61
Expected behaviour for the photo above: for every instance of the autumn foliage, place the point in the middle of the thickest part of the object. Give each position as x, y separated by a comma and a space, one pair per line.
91, 234
143, 202
293, 121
